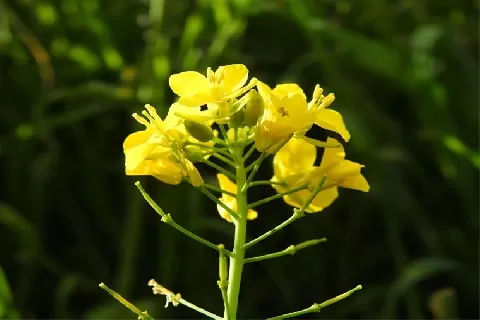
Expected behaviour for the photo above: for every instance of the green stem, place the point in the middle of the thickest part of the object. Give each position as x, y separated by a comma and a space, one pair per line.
296, 215
255, 166
276, 196
217, 189
198, 309
224, 159
249, 152
223, 150
237, 259
290, 250
143, 315
220, 169
317, 307
168, 220
265, 183
219, 202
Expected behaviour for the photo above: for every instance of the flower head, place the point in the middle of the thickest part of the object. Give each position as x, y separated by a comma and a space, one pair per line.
288, 114
158, 150
285, 112
294, 166
218, 90
229, 201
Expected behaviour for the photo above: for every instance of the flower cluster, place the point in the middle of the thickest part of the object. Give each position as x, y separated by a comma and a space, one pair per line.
274, 121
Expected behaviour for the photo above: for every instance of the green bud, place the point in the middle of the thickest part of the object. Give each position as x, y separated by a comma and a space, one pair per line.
199, 131
236, 120
254, 108
223, 265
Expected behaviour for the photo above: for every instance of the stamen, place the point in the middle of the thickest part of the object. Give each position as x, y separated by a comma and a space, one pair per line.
140, 119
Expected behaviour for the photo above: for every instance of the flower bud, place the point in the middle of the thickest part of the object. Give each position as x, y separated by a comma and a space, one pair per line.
199, 131
237, 119
254, 108
223, 265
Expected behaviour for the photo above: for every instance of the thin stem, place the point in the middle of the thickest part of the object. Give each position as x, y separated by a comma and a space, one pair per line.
224, 133
290, 250
168, 220
296, 215
219, 202
177, 299
220, 169
217, 189
317, 307
276, 196
265, 183
198, 309
224, 159
223, 282
258, 162
249, 152
312, 196
205, 146
143, 315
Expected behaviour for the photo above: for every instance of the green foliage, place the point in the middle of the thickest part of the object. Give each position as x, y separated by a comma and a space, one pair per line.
405, 75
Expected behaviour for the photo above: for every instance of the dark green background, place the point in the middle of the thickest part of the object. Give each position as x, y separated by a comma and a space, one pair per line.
405, 74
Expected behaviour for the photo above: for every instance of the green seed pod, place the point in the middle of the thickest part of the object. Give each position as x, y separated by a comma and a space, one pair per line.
199, 131
236, 120
223, 265
254, 108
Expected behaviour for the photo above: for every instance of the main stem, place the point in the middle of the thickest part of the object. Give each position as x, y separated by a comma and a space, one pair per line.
237, 260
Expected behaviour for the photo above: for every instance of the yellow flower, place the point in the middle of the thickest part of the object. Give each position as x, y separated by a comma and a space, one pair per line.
230, 201
285, 112
294, 166
288, 114
217, 90
157, 150
327, 118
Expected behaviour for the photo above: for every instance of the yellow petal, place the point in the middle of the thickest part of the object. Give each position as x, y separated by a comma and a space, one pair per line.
332, 156
188, 83
137, 138
197, 99
323, 199
227, 185
165, 170
193, 173
234, 77
264, 91
357, 182
134, 156
297, 155
251, 214
332, 120
232, 204
285, 89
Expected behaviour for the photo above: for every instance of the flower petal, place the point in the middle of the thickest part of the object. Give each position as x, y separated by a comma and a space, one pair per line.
332, 120
227, 185
134, 156
234, 77
188, 83
297, 155
357, 182
286, 89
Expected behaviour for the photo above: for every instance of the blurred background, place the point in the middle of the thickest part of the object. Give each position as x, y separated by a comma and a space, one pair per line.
405, 74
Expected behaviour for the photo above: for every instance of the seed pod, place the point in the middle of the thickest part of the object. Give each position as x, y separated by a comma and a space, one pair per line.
254, 108
199, 131
237, 119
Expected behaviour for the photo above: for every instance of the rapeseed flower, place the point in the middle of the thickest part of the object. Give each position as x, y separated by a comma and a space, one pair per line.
294, 167
287, 114
218, 90
158, 150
